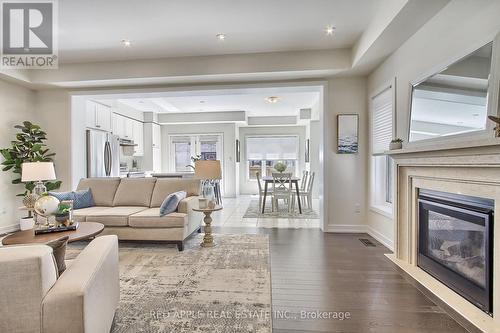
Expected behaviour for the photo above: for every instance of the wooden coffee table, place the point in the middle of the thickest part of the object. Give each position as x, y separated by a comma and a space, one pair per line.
84, 231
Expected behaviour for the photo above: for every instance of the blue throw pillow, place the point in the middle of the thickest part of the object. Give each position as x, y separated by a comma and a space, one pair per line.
83, 199
169, 205
61, 196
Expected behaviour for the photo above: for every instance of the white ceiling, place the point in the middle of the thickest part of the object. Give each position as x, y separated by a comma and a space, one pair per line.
255, 104
91, 30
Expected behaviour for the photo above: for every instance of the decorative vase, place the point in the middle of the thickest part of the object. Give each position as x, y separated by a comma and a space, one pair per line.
26, 223
209, 191
395, 145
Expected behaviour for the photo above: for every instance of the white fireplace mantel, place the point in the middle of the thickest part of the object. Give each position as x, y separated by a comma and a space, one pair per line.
473, 170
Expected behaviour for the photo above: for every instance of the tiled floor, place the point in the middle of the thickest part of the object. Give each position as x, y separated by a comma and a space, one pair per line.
235, 208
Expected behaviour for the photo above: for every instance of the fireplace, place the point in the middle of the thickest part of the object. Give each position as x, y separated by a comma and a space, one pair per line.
455, 243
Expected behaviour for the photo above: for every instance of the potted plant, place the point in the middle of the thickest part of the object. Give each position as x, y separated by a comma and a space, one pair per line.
396, 144
280, 167
28, 146
62, 213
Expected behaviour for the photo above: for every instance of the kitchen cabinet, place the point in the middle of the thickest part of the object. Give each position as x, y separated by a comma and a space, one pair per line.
98, 116
123, 126
138, 135
118, 125
130, 129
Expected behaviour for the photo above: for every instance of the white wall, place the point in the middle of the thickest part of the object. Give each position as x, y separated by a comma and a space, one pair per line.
345, 178
250, 187
455, 31
16, 106
229, 163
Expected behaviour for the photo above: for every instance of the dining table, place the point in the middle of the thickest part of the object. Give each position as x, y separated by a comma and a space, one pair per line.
269, 180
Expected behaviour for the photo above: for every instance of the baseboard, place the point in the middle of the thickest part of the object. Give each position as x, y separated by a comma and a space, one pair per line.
388, 243
346, 228
9, 228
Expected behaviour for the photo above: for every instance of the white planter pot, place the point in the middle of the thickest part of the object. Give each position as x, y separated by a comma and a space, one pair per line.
26, 223
395, 145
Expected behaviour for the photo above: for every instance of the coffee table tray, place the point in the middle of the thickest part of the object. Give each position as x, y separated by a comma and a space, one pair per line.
49, 230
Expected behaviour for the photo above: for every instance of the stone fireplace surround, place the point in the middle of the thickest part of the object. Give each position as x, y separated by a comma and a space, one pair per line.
469, 171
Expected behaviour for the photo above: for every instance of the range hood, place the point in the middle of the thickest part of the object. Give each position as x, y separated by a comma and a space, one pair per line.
127, 143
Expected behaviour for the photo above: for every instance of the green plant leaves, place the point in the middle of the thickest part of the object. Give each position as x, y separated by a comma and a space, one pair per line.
29, 146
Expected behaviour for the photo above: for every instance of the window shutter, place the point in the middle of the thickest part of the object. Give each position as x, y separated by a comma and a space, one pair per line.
382, 119
272, 148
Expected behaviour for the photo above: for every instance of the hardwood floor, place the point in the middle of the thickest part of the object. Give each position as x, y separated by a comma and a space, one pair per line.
337, 274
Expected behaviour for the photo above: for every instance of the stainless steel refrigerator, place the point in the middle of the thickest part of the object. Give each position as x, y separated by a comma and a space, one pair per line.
103, 154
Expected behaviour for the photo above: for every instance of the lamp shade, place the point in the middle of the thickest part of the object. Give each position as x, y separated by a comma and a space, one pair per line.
207, 170
37, 171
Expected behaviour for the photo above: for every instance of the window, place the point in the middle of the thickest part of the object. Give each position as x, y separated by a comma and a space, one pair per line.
382, 194
381, 108
183, 147
264, 151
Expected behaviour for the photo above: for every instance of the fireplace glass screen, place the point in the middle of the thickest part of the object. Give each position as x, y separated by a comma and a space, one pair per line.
458, 245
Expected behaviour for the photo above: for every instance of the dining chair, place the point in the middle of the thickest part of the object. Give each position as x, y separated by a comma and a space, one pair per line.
282, 189
303, 181
261, 192
305, 195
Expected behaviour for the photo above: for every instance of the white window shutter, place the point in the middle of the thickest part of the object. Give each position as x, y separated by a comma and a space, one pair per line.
382, 119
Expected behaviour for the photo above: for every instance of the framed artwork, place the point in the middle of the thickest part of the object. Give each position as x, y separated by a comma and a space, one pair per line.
238, 151
347, 133
307, 151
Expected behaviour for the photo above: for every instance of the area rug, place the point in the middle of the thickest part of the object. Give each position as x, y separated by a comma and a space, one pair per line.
254, 212
222, 289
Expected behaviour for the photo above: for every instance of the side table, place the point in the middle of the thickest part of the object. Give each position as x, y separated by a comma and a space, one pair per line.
208, 240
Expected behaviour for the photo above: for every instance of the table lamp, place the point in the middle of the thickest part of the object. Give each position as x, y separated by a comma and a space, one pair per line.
38, 172
210, 172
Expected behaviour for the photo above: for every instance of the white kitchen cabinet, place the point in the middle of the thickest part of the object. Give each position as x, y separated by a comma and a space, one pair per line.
98, 116
103, 117
129, 128
156, 136
117, 125
138, 136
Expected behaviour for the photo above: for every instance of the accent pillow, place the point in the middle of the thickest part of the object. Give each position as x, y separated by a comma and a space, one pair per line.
59, 252
61, 196
169, 205
83, 199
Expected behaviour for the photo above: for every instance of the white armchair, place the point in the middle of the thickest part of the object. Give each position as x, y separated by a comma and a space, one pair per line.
83, 299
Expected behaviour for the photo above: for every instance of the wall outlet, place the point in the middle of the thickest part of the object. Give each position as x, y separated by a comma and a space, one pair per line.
357, 208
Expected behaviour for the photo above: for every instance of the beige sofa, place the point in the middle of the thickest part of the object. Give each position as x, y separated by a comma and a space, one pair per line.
130, 208
83, 299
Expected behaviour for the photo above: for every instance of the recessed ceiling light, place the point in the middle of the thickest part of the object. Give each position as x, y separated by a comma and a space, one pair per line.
221, 37
329, 30
126, 42
272, 99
